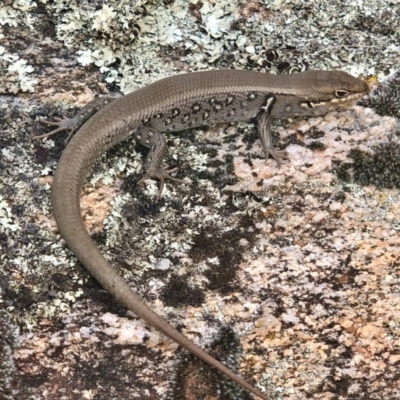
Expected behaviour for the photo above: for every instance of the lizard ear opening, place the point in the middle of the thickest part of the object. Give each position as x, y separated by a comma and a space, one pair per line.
341, 93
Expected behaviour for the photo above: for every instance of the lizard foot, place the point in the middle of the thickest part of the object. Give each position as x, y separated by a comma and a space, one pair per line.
67, 124
161, 174
277, 155
73, 124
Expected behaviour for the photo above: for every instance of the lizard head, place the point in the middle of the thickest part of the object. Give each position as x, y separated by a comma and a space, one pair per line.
333, 89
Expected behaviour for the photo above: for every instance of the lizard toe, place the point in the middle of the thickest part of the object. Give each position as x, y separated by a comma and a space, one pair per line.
161, 174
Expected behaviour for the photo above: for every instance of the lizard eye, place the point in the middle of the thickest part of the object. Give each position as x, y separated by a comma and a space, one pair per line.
341, 93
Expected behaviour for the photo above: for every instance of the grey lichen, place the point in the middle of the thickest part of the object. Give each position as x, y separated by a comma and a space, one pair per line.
381, 167
193, 379
385, 99
136, 42
7, 367
15, 69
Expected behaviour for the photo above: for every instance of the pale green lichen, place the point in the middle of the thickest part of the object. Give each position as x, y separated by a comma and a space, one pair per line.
7, 366
15, 70
109, 33
7, 221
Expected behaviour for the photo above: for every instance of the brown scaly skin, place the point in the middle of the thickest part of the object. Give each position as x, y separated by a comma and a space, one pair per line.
174, 104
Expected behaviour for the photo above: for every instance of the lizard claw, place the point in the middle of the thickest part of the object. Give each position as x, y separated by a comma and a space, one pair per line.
73, 124
45, 121
67, 124
162, 174
277, 155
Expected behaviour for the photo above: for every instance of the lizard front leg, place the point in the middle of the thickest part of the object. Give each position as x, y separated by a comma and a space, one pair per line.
157, 144
264, 120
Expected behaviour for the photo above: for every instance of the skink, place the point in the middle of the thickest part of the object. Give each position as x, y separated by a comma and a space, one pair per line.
174, 104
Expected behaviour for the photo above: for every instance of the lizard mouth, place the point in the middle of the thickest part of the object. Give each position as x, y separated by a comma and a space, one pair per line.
333, 103
347, 100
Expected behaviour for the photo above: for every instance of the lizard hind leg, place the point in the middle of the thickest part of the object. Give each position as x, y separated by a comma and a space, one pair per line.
156, 142
73, 124
67, 124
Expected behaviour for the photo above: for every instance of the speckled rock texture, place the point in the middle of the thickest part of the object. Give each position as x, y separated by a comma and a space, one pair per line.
289, 275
